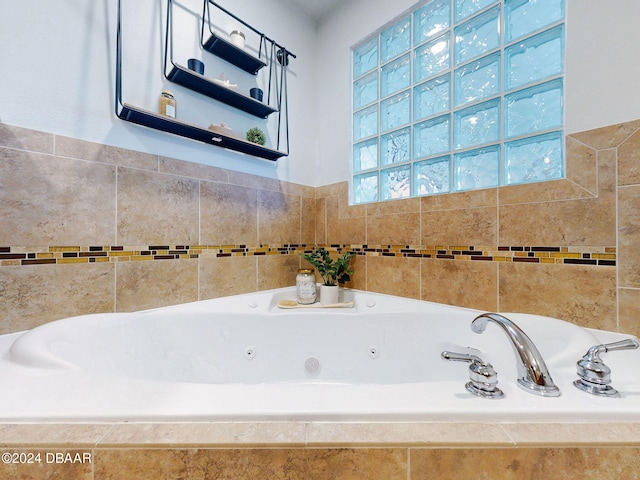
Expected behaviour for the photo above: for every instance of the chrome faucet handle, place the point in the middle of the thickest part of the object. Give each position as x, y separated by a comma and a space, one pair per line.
483, 379
595, 375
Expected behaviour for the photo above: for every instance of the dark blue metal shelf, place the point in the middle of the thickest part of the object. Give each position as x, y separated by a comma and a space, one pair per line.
170, 125
201, 84
232, 54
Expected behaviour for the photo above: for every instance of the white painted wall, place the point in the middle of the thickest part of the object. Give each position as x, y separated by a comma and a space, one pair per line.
602, 69
57, 68
602, 64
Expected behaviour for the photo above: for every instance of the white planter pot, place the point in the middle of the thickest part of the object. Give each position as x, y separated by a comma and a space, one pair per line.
329, 294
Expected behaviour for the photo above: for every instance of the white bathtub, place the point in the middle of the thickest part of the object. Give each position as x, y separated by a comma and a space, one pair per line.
243, 358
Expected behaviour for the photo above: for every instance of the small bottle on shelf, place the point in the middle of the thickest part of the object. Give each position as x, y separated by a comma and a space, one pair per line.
167, 104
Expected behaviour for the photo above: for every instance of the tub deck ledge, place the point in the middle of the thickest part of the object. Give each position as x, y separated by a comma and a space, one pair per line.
314, 434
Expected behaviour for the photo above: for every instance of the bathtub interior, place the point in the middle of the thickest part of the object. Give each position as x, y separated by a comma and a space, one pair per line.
374, 344
243, 358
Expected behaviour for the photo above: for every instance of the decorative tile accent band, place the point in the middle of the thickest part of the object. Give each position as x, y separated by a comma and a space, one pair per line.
57, 255
596, 256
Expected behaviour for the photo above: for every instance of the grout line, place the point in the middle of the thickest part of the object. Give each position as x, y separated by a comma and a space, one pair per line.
617, 229
199, 236
115, 235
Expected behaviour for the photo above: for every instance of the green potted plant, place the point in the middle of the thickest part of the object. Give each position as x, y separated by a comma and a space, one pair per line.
334, 272
256, 135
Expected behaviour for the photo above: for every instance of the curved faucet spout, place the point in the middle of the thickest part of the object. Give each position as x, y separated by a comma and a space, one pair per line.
533, 374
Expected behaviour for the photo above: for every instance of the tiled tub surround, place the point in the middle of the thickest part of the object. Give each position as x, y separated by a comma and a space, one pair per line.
206, 264
64, 199
46, 202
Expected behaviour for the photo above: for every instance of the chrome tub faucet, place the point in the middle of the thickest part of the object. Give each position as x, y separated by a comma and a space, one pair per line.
533, 374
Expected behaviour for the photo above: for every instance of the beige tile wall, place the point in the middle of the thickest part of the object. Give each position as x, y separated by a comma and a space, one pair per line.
58, 191
333, 463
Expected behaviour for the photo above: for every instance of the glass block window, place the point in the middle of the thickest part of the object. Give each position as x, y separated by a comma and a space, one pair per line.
459, 95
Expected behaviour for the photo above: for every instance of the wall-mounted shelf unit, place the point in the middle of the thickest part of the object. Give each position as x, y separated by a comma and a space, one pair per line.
212, 88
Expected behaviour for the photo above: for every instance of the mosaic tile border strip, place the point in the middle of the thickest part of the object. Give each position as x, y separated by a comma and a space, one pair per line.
57, 255
595, 256
15, 256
